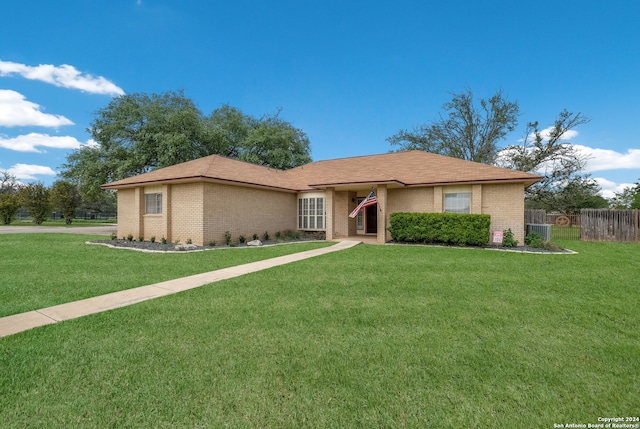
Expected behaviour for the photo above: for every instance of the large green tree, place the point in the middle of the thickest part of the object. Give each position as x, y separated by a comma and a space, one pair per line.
37, 199
136, 133
66, 198
470, 130
9, 201
549, 153
628, 198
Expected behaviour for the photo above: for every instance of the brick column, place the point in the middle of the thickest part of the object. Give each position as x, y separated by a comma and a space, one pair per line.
330, 218
437, 200
381, 194
139, 210
166, 212
476, 199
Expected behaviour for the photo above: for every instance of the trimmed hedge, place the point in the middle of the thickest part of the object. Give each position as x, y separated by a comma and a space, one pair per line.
441, 228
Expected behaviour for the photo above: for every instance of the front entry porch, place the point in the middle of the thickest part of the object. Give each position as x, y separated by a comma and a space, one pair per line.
369, 225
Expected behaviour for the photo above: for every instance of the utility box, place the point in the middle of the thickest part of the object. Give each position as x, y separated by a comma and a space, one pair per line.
543, 229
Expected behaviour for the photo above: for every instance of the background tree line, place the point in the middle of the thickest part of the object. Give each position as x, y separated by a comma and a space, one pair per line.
39, 200
137, 133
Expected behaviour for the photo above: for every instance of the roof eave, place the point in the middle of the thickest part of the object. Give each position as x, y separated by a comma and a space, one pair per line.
528, 181
363, 183
193, 179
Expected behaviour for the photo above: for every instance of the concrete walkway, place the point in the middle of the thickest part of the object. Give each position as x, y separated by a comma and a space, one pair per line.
21, 322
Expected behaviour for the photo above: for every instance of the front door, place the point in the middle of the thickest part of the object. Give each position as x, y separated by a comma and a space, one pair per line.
371, 216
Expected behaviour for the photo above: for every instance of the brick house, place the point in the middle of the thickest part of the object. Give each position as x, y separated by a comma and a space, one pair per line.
202, 199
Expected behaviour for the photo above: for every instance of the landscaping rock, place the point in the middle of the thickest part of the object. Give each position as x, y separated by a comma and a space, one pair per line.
254, 243
185, 247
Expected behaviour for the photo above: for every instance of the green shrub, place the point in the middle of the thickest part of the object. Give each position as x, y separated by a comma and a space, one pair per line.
278, 235
130, 237
153, 239
534, 239
441, 228
141, 239
163, 240
508, 240
537, 241
265, 236
212, 243
227, 238
189, 241
114, 236
255, 236
242, 239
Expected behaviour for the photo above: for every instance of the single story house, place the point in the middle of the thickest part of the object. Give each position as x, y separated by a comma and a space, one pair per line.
203, 199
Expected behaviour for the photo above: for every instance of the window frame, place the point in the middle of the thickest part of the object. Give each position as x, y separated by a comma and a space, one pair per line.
311, 213
153, 203
454, 202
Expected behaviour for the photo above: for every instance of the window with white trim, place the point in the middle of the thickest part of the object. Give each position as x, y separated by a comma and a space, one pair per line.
360, 216
153, 203
311, 213
457, 203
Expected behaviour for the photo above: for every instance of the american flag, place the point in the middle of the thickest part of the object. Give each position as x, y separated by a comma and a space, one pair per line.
371, 200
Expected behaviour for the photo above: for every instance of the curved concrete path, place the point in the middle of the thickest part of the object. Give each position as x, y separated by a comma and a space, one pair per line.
21, 322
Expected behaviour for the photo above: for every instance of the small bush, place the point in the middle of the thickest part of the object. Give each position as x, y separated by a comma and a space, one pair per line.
242, 239
153, 239
114, 236
189, 241
130, 237
212, 243
227, 238
508, 240
537, 241
163, 240
534, 239
265, 236
141, 239
255, 236
278, 235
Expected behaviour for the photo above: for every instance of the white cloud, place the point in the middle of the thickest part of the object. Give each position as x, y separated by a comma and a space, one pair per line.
30, 171
609, 188
64, 76
606, 159
15, 110
568, 135
32, 141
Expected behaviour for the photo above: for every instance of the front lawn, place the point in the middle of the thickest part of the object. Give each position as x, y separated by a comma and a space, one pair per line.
41, 270
373, 336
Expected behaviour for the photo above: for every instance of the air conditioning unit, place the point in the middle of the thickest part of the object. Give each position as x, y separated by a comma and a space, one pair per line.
541, 228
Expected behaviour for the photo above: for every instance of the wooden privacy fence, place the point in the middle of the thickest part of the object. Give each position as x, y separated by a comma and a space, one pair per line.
609, 225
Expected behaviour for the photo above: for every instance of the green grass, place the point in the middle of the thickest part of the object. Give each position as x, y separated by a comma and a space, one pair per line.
374, 336
41, 270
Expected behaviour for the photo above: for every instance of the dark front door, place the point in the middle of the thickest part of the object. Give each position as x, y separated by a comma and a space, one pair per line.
371, 215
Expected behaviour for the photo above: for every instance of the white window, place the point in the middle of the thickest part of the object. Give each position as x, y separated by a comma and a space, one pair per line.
153, 203
311, 213
360, 216
457, 203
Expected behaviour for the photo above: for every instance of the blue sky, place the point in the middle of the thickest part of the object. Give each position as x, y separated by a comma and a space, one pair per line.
348, 73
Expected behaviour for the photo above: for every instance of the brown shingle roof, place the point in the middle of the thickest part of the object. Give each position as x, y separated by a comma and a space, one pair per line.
410, 168
213, 167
